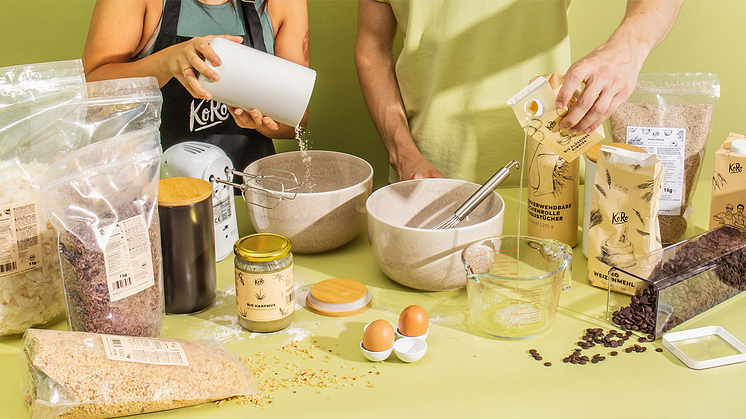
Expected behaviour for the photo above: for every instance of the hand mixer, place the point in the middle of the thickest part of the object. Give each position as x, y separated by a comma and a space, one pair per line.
209, 162
265, 189
467, 207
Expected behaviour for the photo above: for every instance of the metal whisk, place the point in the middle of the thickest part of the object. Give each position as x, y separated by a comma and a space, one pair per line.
467, 207
265, 189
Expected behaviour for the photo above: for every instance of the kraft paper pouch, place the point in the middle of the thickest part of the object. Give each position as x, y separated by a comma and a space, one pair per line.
534, 107
624, 216
552, 195
729, 184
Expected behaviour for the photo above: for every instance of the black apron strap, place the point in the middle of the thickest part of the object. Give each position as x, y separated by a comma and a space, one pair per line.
170, 19
253, 26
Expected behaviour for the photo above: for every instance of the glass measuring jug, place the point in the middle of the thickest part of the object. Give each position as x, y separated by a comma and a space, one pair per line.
514, 283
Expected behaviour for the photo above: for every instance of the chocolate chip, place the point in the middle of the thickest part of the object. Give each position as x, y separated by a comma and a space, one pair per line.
658, 349
547, 364
613, 353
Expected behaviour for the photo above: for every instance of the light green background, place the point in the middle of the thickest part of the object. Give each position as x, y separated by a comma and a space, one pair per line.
708, 37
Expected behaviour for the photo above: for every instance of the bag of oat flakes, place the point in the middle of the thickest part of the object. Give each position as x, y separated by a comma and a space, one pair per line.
671, 114
623, 222
88, 375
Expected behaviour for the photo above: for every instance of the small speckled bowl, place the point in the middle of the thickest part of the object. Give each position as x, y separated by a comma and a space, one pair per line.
406, 248
329, 208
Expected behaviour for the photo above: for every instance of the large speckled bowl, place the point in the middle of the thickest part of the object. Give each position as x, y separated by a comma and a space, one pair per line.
407, 250
329, 208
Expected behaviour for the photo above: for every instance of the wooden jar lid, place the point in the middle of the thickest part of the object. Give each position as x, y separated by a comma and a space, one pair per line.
182, 191
338, 297
592, 153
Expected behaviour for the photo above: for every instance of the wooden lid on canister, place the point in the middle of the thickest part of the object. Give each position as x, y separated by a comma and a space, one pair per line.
338, 297
182, 191
592, 153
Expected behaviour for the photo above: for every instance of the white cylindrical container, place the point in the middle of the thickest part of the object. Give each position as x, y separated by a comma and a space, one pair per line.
591, 157
250, 78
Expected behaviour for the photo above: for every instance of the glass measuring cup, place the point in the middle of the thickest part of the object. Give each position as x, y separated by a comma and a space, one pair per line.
514, 282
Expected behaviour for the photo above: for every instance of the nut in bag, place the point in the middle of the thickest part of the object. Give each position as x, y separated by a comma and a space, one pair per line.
42, 110
102, 200
87, 375
671, 114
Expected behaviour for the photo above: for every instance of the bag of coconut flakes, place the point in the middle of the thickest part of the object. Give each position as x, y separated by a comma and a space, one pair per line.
41, 114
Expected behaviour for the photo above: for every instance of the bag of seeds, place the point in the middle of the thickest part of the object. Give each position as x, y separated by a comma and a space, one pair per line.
87, 375
116, 107
102, 199
671, 114
42, 110
624, 217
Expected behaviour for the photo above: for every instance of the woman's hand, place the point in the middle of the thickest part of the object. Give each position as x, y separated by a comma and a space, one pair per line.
254, 120
188, 59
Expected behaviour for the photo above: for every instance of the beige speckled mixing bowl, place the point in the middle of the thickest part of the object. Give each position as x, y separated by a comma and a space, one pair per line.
329, 208
407, 250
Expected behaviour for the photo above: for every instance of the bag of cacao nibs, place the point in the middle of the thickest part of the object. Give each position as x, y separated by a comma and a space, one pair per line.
103, 201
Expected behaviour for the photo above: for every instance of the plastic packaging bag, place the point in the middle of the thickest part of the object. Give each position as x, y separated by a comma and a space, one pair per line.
41, 115
671, 114
82, 375
102, 199
116, 107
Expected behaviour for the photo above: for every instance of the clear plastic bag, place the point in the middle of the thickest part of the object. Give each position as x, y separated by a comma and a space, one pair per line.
82, 375
118, 106
102, 199
42, 112
671, 114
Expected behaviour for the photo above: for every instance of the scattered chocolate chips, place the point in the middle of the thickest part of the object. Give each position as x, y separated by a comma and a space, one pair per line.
596, 336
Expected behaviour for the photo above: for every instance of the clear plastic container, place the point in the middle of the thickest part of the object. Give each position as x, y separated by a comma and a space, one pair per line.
679, 282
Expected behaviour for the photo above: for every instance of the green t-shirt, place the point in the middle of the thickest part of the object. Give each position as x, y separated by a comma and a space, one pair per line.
215, 19
461, 61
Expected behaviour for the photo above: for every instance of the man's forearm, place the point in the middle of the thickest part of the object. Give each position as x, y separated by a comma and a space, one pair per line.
648, 22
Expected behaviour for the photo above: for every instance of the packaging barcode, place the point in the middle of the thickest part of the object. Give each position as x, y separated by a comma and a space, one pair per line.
289, 298
122, 283
117, 342
11, 266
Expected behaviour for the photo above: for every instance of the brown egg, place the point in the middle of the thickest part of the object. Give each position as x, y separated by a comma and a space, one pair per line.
413, 321
378, 336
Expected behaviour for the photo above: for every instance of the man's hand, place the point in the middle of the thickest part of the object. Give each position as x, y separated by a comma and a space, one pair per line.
610, 72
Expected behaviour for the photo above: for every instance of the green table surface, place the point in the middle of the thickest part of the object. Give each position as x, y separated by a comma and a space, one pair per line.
464, 373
